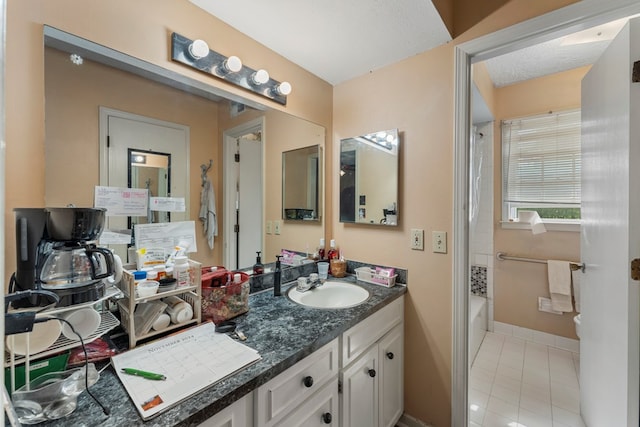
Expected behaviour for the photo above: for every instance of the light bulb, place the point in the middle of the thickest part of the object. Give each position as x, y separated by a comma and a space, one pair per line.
260, 77
232, 64
284, 88
198, 49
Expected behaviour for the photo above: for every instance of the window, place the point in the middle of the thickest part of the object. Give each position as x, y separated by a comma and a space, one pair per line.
541, 165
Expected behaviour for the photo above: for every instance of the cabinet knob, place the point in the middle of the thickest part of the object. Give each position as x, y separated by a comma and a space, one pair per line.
390, 355
307, 381
372, 373
326, 418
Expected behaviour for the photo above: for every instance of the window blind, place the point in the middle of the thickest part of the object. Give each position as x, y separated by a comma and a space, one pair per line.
541, 159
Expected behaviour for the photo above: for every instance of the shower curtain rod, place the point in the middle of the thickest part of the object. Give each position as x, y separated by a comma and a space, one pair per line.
502, 257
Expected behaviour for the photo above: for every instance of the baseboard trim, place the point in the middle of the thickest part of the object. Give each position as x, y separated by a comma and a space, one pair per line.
408, 421
532, 335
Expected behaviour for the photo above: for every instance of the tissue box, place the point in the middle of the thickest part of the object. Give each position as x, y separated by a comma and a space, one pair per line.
220, 303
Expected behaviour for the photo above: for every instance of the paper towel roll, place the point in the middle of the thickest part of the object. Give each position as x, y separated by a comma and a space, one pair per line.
532, 217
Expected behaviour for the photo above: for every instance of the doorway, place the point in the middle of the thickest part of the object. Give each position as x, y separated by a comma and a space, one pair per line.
243, 193
564, 21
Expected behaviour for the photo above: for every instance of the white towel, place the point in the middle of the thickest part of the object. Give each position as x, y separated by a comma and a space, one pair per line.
559, 273
575, 278
208, 212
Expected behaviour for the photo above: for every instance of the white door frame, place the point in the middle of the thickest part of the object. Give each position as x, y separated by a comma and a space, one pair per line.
229, 138
576, 17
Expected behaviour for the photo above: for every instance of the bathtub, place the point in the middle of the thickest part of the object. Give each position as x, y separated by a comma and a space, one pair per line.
477, 324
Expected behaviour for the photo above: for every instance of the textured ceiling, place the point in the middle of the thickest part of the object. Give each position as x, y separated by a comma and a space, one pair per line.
336, 40
565, 53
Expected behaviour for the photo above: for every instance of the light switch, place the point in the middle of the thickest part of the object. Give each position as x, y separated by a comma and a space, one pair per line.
439, 241
277, 225
417, 239
267, 227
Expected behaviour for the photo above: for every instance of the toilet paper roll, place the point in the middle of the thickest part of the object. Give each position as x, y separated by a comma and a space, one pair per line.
532, 217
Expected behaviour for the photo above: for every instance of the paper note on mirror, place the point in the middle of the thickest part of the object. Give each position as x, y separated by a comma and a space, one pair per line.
120, 201
115, 237
167, 204
167, 235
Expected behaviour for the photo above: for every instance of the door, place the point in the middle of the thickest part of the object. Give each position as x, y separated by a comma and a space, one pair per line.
123, 132
243, 194
610, 235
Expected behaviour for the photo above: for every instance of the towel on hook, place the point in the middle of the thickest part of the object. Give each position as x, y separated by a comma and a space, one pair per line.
559, 274
208, 212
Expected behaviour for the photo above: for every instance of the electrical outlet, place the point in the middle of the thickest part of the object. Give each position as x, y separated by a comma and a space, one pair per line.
417, 239
439, 242
277, 226
267, 227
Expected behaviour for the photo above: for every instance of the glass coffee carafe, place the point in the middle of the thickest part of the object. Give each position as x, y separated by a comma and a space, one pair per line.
69, 266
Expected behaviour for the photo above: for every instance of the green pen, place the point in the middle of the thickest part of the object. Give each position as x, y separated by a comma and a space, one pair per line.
144, 374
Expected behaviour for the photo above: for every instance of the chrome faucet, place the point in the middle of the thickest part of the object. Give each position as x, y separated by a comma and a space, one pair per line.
305, 284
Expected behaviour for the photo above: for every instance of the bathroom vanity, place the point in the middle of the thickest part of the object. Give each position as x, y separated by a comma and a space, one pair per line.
358, 350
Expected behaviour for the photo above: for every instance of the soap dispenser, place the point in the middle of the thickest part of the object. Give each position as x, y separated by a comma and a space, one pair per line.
276, 277
258, 268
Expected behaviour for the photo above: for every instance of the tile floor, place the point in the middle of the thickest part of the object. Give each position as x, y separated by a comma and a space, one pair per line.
517, 383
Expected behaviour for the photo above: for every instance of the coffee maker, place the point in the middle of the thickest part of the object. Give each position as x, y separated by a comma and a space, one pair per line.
56, 252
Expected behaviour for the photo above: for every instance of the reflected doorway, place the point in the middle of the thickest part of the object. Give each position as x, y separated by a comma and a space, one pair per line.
243, 194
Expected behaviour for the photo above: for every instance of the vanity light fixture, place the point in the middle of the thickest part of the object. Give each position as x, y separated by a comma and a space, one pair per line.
196, 54
138, 159
198, 49
260, 77
283, 88
232, 64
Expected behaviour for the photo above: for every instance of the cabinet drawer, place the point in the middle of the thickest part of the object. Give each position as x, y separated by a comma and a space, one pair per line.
239, 414
323, 409
286, 391
357, 339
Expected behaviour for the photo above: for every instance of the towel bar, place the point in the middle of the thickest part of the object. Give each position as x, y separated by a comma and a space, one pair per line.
502, 257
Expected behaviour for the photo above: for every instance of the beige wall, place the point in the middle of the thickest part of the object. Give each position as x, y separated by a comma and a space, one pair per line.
141, 29
517, 285
73, 97
418, 100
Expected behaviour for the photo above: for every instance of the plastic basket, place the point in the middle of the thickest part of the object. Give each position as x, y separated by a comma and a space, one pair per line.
367, 274
220, 303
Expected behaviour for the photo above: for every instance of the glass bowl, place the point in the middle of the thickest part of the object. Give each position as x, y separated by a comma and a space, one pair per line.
53, 395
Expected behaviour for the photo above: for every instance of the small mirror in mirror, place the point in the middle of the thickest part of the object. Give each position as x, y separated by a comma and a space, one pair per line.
301, 184
150, 170
369, 178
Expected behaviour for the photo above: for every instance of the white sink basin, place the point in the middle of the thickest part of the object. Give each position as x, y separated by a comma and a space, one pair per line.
332, 294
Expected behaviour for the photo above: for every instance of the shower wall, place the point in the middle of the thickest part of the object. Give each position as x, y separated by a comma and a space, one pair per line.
481, 215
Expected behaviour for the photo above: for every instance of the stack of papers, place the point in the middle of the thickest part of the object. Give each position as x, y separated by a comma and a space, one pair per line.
191, 360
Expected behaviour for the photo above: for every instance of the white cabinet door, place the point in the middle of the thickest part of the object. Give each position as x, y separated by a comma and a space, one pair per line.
360, 391
391, 356
239, 414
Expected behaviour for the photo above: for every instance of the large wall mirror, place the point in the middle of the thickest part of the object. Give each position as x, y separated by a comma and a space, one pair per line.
199, 115
369, 178
302, 183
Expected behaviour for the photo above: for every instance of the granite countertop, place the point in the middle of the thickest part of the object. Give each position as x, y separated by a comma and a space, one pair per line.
282, 331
